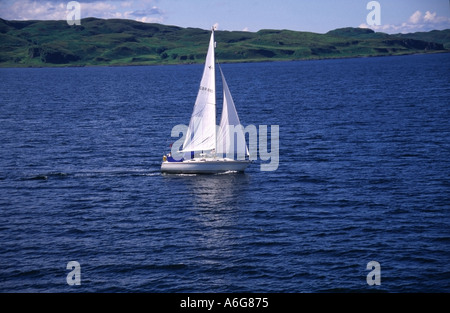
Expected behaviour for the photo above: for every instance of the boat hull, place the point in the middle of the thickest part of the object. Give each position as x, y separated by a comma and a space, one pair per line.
204, 166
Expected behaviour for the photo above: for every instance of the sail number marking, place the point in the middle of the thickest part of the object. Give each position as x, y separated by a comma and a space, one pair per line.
206, 89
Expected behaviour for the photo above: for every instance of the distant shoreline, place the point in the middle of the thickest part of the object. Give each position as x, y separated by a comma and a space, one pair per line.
222, 62
117, 42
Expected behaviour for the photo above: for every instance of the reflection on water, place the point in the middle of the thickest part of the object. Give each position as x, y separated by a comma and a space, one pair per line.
217, 201
219, 192
214, 193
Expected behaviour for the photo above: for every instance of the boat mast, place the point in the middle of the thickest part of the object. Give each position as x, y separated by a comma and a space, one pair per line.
215, 102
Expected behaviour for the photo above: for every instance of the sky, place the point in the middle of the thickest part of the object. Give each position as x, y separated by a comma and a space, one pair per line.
320, 16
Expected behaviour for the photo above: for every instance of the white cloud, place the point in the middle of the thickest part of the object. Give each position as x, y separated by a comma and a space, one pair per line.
246, 29
103, 9
148, 15
143, 10
147, 19
33, 10
416, 17
429, 17
416, 22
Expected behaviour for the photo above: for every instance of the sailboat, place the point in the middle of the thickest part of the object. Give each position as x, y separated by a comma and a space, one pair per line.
208, 148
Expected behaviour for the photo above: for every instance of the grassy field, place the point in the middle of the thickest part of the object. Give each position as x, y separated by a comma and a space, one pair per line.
126, 42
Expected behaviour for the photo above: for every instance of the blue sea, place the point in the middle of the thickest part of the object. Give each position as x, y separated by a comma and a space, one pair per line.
363, 175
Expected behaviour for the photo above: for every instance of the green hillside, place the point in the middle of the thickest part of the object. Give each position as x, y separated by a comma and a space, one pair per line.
438, 36
127, 42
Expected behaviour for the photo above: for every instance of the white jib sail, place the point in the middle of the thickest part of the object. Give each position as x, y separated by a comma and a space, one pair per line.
201, 134
231, 136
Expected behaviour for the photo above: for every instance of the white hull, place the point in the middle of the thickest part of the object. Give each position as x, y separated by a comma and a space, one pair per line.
204, 166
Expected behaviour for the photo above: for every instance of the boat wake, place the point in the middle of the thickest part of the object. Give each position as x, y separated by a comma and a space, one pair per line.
90, 174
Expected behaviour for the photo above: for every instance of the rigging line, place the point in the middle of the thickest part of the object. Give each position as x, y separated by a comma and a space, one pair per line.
218, 64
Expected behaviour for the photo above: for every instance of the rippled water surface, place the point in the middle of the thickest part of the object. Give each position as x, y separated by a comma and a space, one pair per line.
363, 175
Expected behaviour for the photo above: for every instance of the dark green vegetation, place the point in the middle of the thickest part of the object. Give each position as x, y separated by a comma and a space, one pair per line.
127, 42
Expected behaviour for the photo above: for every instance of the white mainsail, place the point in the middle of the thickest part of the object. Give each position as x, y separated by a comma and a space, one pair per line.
230, 137
201, 134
